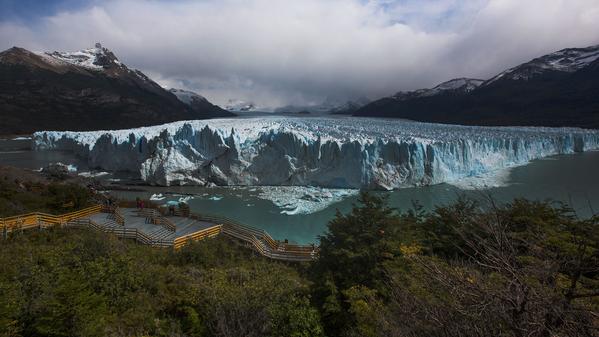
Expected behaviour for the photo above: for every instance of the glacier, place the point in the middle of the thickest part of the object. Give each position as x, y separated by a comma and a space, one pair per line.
332, 152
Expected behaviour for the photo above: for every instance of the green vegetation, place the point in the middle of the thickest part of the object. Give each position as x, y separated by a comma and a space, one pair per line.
522, 269
22, 196
83, 283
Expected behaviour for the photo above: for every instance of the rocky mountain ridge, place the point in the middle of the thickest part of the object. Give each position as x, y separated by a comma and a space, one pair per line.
84, 90
557, 89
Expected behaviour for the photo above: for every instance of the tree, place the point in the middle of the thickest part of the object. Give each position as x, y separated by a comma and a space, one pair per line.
355, 247
527, 270
353, 252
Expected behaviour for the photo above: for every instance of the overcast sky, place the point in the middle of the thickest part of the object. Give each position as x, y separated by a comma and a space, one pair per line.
279, 52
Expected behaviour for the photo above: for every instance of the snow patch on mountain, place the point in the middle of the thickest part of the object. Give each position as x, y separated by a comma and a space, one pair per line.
87, 58
240, 106
98, 59
186, 96
566, 60
463, 84
324, 152
460, 85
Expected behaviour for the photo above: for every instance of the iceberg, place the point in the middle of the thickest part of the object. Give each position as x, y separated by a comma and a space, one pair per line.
157, 197
86, 174
216, 198
294, 200
331, 152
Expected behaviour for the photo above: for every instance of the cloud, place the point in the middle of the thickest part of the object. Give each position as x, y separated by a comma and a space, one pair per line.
281, 52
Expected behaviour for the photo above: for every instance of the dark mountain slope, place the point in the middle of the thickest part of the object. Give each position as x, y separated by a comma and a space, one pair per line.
559, 89
197, 103
87, 90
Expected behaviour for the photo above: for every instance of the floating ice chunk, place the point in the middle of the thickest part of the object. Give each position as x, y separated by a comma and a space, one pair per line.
493, 179
295, 200
91, 174
185, 199
157, 197
215, 198
293, 211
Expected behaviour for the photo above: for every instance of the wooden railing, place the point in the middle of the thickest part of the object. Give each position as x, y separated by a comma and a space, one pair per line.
260, 240
166, 223
148, 213
196, 236
157, 218
43, 220
121, 232
118, 216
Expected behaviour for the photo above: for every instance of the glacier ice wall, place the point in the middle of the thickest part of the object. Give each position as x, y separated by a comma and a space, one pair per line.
329, 152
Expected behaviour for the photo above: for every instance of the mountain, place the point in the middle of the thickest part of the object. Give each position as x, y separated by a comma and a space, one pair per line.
187, 97
566, 61
348, 107
84, 90
329, 106
455, 86
198, 103
240, 106
558, 89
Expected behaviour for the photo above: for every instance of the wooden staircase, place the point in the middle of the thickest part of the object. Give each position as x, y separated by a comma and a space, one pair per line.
164, 234
261, 241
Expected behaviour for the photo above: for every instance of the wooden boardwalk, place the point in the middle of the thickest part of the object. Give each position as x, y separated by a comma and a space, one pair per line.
151, 227
145, 223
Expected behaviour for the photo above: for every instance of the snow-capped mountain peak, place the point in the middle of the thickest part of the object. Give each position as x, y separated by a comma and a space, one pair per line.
461, 85
566, 60
96, 58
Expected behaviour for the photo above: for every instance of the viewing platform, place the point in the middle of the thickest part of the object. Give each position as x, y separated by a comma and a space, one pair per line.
158, 229
162, 227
